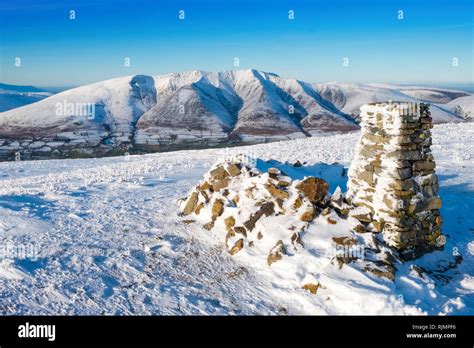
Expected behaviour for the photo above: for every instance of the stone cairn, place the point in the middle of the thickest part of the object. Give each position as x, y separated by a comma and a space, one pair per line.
392, 180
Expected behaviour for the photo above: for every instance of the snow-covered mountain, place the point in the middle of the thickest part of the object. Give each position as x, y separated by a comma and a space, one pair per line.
462, 106
195, 109
91, 119
244, 105
12, 96
349, 97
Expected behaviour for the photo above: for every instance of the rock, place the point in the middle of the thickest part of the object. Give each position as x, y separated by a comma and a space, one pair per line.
343, 211
283, 183
229, 222
236, 199
312, 288
205, 186
360, 229
296, 239
209, 226
187, 222
423, 205
362, 214
220, 184
266, 209
217, 209
198, 208
297, 164
386, 272
297, 203
276, 192
237, 246
219, 173
308, 214
336, 198
424, 165
259, 235
419, 271
344, 240
279, 203
388, 259
367, 177
331, 221
377, 226
326, 211
241, 230
273, 171
440, 241
233, 169
315, 189
229, 235
191, 203
276, 253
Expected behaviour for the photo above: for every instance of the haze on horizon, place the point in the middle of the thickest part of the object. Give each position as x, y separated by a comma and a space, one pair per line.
369, 36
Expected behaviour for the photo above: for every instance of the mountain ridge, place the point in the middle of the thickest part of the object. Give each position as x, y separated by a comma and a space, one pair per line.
194, 109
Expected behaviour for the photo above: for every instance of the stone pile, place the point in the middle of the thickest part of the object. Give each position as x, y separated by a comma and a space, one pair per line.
392, 180
241, 196
265, 214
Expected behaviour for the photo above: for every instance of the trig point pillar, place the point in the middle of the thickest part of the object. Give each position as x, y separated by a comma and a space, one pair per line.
392, 179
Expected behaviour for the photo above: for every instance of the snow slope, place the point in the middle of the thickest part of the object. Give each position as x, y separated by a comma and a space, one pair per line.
349, 97
12, 96
462, 106
109, 240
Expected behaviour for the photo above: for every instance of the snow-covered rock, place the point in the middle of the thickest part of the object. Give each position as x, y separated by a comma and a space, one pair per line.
292, 223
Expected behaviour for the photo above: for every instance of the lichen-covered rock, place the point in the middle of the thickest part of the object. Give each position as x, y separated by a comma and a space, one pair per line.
219, 173
220, 184
229, 222
190, 204
233, 169
266, 209
276, 253
276, 192
315, 189
237, 246
382, 271
308, 213
217, 208
312, 288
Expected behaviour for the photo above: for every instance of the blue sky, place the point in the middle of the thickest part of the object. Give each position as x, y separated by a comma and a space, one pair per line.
57, 51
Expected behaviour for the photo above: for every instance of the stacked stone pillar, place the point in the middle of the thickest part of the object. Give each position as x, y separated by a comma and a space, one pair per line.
392, 179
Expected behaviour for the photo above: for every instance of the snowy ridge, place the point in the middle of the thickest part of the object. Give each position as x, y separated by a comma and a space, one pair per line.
12, 96
462, 106
349, 97
195, 109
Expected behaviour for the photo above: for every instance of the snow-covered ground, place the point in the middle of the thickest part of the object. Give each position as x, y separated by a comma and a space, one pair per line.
103, 236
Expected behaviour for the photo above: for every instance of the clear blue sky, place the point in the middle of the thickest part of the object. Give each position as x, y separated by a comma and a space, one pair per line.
57, 51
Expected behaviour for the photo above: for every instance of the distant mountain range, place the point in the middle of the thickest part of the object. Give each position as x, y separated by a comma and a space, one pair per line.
12, 96
194, 110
